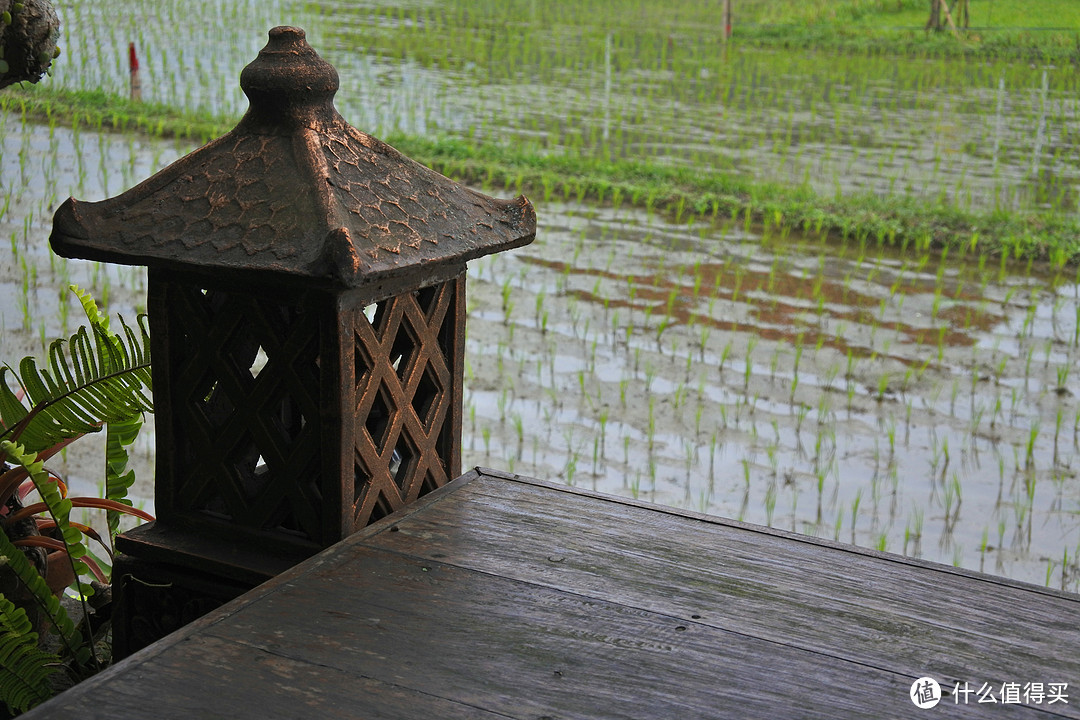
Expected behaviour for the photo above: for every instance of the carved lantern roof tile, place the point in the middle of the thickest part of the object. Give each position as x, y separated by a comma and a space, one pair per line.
294, 190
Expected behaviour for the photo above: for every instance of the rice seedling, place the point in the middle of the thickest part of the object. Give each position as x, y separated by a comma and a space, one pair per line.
669, 304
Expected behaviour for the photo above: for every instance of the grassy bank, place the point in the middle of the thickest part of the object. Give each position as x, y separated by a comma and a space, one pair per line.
1058, 46
683, 192
1047, 31
983, 13
99, 111
1002, 29
679, 192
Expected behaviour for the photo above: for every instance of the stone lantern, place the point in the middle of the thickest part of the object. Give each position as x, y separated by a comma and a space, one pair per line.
307, 312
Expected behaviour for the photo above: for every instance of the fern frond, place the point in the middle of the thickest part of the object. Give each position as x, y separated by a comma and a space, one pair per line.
70, 637
56, 504
25, 669
95, 377
118, 479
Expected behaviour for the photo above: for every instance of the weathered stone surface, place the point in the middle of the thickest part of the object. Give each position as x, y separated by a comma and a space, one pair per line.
296, 190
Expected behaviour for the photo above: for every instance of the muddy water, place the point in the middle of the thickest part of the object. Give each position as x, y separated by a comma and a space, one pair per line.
917, 404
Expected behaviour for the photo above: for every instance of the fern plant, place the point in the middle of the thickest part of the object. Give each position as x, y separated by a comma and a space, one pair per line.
25, 669
98, 378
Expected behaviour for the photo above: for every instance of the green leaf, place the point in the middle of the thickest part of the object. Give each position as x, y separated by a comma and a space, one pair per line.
119, 436
25, 669
95, 377
70, 637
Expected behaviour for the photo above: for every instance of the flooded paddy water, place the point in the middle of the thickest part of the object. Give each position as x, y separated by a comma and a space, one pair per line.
924, 405
613, 82
909, 402
902, 400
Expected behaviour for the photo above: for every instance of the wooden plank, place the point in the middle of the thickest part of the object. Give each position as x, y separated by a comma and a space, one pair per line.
860, 605
504, 597
526, 651
207, 678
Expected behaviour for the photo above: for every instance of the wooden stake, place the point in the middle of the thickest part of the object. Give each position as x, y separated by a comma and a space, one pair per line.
133, 69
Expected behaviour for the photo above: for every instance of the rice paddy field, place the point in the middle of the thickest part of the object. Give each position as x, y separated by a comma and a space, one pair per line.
899, 397
623, 80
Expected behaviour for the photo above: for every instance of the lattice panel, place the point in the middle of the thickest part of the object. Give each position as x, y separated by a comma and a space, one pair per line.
404, 357
246, 429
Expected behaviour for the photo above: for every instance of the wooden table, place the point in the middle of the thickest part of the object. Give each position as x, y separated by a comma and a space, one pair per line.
499, 596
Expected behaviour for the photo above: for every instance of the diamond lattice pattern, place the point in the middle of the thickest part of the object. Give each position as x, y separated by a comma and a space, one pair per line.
245, 380
403, 357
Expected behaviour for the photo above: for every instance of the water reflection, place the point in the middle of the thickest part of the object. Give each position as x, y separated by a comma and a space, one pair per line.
829, 388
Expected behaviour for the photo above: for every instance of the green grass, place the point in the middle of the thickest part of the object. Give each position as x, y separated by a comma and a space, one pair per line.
1047, 30
98, 110
675, 190
1003, 14
891, 349
1054, 46
998, 14
901, 221
561, 152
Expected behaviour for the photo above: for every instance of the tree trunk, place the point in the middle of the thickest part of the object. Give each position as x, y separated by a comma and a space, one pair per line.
934, 23
29, 30
964, 16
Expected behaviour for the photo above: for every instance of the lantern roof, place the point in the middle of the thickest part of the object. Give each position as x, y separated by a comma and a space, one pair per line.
294, 190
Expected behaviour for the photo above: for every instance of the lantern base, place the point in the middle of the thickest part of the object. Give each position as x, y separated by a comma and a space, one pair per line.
164, 578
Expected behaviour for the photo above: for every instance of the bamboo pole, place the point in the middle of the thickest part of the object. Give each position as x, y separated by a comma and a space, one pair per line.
948, 16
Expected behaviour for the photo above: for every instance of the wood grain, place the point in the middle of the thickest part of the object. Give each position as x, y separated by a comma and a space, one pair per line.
502, 597
841, 600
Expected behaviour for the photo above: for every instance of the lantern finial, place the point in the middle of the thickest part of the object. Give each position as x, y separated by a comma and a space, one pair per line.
288, 84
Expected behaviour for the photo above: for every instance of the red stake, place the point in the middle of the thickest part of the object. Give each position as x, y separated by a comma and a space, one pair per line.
133, 66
